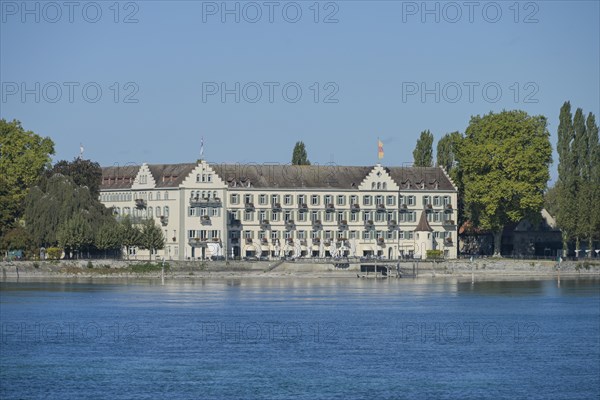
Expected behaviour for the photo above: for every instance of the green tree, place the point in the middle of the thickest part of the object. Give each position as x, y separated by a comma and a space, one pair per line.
16, 238
151, 237
84, 173
23, 157
58, 199
566, 215
504, 160
299, 156
447, 148
551, 200
108, 237
75, 234
423, 152
589, 194
130, 234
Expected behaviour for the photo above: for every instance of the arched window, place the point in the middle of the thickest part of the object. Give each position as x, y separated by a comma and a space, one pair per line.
197, 177
166, 195
150, 212
378, 185
158, 211
157, 195
215, 194
166, 211
384, 185
372, 185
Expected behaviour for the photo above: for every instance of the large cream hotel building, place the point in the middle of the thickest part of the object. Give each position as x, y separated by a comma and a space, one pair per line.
234, 210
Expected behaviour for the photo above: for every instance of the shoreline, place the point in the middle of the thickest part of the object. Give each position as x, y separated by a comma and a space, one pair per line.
480, 270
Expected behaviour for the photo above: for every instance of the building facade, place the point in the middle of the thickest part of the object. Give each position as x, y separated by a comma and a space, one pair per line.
235, 210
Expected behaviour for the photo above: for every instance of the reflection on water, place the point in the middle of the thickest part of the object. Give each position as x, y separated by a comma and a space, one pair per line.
300, 338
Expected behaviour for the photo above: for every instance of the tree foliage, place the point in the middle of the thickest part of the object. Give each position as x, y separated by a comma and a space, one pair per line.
423, 152
23, 157
151, 237
578, 186
299, 156
75, 234
108, 236
504, 160
56, 200
447, 148
129, 234
84, 173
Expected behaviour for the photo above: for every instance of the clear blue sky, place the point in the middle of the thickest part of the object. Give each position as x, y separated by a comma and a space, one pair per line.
375, 58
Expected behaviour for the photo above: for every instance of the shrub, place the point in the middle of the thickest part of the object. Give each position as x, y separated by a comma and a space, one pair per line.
36, 264
54, 253
434, 254
90, 264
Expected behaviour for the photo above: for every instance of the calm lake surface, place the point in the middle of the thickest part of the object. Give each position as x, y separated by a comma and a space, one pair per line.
301, 339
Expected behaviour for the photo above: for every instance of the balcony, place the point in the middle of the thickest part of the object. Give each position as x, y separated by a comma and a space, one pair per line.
276, 207
197, 242
330, 207
235, 223
392, 224
355, 208
380, 241
248, 240
448, 242
342, 242
369, 223
216, 240
303, 242
448, 223
205, 220
235, 240
327, 242
428, 207
403, 208
249, 206
343, 224
140, 204
290, 241
164, 220
448, 208
317, 224
264, 241
303, 207
290, 224
316, 241
205, 202
381, 207
265, 224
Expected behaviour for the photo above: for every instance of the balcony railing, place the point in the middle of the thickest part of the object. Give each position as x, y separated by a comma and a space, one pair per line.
290, 241
403, 208
197, 242
316, 240
428, 207
448, 222
235, 240
249, 206
164, 221
381, 207
343, 224
392, 224
290, 223
369, 223
330, 207
264, 241
248, 240
235, 223
317, 224
197, 201
448, 208
303, 242
380, 241
205, 220
448, 242
302, 207
327, 242
265, 223
276, 207
355, 208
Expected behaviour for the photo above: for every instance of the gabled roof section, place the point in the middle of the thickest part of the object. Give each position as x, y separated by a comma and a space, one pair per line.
378, 176
423, 225
144, 179
170, 175
118, 177
194, 178
421, 178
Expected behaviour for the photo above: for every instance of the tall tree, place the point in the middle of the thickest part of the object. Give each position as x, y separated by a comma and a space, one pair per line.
504, 161
566, 216
151, 237
108, 237
447, 148
299, 156
423, 152
84, 173
589, 212
23, 157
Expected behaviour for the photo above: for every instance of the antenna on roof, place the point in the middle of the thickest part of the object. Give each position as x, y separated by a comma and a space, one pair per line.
80, 151
202, 147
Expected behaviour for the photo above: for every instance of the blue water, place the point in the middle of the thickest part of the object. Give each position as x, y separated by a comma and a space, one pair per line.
300, 339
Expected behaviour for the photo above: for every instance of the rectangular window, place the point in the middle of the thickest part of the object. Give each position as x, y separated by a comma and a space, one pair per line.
248, 216
341, 200
235, 198
391, 201
275, 216
328, 217
352, 235
378, 200
274, 235
301, 235
274, 199
366, 235
191, 211
367, 200
287, 216
436, 201
412, 200
354, 199
314, 234
314, 200
262, 199
301, 199
301, 216
247, 234
426, 200
314, 215
287, 200
353, 217
262, 215
247, 198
